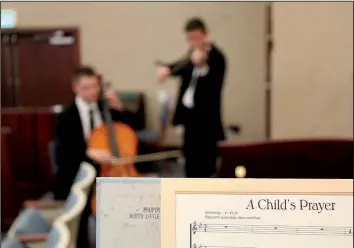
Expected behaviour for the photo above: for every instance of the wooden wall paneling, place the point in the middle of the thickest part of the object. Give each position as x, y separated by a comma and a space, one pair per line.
23, 149
7, 90
45, 133
10, 203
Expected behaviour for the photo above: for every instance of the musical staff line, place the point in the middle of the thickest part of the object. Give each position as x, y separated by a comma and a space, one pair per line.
210, 246
271, 229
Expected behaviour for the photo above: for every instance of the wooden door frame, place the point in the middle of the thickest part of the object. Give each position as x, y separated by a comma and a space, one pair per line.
269, 43
29, 30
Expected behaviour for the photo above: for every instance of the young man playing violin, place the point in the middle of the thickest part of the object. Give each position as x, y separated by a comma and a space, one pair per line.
198, 107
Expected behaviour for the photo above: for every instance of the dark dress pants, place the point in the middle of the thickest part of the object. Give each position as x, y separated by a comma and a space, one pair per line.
199, 149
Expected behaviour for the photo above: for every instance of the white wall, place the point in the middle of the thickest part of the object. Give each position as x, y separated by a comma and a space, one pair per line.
123, 39
312, 60
312, 70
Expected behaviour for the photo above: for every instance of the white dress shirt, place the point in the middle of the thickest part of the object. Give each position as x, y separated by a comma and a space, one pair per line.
84, 112
188, 97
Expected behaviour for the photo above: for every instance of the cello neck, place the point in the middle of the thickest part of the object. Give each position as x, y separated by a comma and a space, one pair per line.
107, 116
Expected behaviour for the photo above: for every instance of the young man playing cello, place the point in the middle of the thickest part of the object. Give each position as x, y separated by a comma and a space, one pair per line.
198, 106
74, 126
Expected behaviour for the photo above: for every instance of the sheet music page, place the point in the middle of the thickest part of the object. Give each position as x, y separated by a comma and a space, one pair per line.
128, 213
252, 216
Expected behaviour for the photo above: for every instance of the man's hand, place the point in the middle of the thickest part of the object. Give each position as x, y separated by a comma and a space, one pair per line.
113, 100
100, 156
163, 72
198, 57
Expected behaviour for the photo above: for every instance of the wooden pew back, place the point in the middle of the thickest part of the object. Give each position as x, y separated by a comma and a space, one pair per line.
289, 159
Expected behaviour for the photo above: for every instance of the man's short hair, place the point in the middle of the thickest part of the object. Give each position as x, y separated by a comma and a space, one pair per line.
83, 71
195, 24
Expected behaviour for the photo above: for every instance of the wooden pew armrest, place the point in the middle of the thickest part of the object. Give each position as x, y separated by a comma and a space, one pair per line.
32, 238
44, 204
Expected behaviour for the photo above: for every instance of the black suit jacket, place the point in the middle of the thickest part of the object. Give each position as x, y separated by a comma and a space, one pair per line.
71, 147
207, 98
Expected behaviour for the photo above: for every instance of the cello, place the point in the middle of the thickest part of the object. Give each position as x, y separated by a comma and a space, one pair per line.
121, 142
117, 138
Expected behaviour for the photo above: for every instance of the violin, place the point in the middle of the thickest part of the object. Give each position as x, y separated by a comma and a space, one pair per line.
184, 61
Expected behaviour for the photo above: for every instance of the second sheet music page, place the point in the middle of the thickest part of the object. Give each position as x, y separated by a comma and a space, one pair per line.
257, 213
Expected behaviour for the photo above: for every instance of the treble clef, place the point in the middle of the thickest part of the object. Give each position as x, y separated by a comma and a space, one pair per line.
194, 227
198, 246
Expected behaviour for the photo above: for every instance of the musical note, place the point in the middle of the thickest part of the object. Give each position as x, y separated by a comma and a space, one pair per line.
273, 229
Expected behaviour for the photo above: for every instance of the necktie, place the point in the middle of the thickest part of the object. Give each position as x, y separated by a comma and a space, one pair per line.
92, 121
188, 98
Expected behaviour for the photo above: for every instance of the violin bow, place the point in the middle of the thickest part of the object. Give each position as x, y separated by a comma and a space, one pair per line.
146, 157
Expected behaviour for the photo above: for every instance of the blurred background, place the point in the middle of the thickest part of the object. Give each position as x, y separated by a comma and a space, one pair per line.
289, 84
